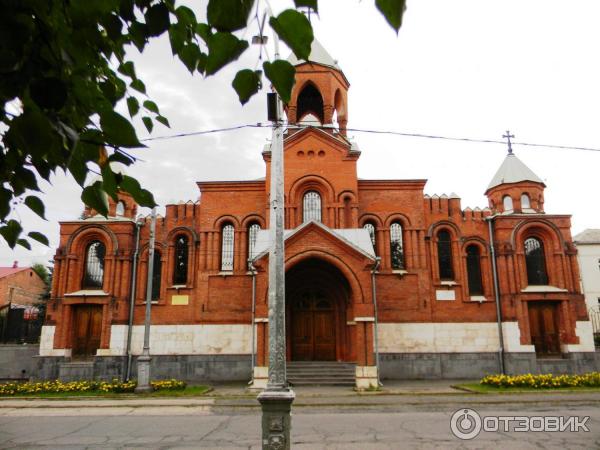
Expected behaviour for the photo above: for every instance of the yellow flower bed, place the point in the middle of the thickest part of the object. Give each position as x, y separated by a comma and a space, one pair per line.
544, 381
56, 386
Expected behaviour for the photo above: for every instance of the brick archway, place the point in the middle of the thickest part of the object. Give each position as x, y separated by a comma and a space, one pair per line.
317, 299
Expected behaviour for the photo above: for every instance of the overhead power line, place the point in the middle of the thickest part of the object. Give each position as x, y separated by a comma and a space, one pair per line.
388, 132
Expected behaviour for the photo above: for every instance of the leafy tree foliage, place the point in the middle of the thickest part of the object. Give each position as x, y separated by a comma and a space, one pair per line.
64, 68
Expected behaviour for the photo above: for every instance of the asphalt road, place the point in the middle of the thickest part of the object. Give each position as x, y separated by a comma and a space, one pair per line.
390, 422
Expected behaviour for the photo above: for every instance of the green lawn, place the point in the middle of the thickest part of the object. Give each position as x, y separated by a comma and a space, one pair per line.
189, 391
487, 389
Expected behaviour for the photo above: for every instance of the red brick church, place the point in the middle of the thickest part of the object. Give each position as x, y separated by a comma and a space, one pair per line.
392, 282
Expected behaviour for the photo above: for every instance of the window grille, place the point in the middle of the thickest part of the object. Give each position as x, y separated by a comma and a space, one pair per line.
94, 265
396, 251
156, 275
180, 270
227, 248
312, 206
371, 230
444, 247
252, 235
535, 261
474, 270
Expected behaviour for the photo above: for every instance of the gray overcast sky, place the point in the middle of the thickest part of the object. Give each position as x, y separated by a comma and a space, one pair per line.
465, 68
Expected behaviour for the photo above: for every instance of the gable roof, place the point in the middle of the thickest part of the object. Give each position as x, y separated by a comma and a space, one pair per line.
356, 238
513, 170
6, 271
318, 55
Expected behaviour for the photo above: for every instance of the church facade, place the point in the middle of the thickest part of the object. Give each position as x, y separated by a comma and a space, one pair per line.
401, 284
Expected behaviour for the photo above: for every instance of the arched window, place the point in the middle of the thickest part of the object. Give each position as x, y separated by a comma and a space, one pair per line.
312, 206
535, 262
94, 265
474, 270
525, 203
507, 203
444, 248
156, 275
396, 250
310, 101
252, 235
227, 248
180, 268
120, 209
371, 229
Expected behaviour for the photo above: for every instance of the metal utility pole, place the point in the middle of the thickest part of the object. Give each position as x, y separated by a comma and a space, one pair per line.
276, 400
143, 362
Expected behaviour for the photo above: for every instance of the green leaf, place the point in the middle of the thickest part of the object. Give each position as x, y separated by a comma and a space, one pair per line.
109, 182
127, 68
118, 130
138, 85
121, 158
24, 243
185, 15
94, 197
39, 237
393, 11
141, 196
49, 93
177, 37
190, 55
163, 120
151, 106
246, 83
20, 133
113, 26
223, 48
139, 34
36, 205
295, 30
10, 232
281, 74
157, 19
312, 4
5, 197
148, 123
133, 106
204, 31
27, 178
228, 15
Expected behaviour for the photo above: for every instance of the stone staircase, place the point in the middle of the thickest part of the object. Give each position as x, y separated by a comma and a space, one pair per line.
321, 373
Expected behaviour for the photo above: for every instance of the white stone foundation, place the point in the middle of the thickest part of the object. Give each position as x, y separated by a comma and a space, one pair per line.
260, 378
366, 377
585, 332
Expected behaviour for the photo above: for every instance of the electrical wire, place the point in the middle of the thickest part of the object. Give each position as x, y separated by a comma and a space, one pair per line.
388, 132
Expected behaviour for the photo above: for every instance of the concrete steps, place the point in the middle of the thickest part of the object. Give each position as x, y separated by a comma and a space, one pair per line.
321, 373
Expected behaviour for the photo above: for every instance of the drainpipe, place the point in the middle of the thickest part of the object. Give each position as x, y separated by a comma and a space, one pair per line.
138, 225
497, 295
253, 272
374, 293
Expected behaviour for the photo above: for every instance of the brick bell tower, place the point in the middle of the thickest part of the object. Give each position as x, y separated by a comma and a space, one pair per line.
320, 95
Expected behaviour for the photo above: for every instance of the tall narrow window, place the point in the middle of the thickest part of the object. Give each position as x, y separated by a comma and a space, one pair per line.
444, 248
396, 250
474, 270
94, 265
120, 209
535, 262
507, 203
156, 275
525, 203
227, 248
252, 235
180, 270
371, 229
312, 206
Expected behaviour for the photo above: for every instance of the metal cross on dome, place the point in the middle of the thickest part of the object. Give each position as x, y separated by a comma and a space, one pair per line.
507, 136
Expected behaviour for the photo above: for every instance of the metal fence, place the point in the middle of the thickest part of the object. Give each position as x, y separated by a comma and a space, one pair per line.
594, 314
20, 324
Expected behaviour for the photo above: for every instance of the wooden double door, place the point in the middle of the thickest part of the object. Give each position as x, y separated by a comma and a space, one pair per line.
313, 327
87, 328
543, 325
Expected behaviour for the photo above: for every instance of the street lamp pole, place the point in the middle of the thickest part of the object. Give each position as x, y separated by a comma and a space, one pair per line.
276, 400
143, 361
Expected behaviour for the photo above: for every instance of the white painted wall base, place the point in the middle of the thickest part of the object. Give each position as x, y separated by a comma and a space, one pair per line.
260, 378
366, 377
47, 343
583, 330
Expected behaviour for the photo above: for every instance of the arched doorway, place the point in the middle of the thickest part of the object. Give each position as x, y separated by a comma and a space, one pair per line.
316, 297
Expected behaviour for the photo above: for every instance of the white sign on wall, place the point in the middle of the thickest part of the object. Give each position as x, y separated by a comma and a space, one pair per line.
445, 295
